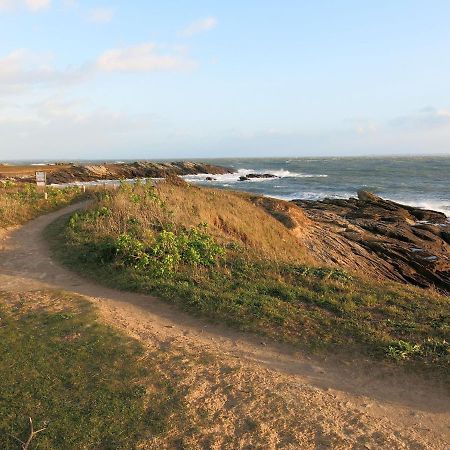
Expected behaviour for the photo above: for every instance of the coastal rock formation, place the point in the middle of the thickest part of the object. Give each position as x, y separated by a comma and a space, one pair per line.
381, 238
251, 176
93, 172
370, 236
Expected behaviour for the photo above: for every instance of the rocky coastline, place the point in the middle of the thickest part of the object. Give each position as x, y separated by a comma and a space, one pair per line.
70, 173
371, 236
134, 170
384, 239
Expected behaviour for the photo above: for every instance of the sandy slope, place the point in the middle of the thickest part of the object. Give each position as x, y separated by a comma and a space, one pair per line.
255, 394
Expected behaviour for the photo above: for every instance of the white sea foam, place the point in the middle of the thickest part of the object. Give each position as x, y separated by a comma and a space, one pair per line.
435, 205
234, 177
314, 195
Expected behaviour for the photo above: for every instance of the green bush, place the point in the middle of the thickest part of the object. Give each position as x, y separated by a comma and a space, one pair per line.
192, 247
162, 255
403, 350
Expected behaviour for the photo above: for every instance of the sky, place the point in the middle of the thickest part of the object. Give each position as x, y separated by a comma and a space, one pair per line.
203, 79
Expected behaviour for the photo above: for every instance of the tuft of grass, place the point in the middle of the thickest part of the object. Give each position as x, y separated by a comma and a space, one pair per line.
90, 386
22, 202
285, 298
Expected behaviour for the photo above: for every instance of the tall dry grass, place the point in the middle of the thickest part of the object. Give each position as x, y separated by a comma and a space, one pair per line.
230, 216
19, 203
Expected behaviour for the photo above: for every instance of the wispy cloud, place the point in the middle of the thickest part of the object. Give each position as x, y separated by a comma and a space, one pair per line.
31, 5
23, 68
200, 26
35, 5
144, 57
428, 117
362, 125
56, 123
100, 15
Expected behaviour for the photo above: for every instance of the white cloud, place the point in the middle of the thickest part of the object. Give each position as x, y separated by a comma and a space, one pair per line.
70, 4
200, 26
60, 128
22, 68
101, 15
144, 57
428, 117
31, 5
35, 5
361, 125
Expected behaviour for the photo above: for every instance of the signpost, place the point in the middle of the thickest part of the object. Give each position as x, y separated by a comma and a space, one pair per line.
41, 182
41, 179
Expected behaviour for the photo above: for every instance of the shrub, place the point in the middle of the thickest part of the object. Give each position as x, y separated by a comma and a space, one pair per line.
403, 350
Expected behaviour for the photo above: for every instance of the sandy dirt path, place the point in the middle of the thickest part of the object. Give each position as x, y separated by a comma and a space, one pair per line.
296, 401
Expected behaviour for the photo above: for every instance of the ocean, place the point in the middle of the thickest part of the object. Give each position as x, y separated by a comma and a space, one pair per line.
417, 181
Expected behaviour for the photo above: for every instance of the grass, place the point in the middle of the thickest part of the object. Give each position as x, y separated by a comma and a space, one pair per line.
22, 202
90, 386
249, 285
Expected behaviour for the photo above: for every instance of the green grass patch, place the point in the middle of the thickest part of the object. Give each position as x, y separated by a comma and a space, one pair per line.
90, 386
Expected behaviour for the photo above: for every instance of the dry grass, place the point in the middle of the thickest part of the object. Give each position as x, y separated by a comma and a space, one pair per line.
230, 216
19, 203
29, 170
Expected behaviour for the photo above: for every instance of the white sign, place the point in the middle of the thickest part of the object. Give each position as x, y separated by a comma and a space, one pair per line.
41, 178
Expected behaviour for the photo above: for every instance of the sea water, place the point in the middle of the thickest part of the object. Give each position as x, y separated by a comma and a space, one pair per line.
417, 181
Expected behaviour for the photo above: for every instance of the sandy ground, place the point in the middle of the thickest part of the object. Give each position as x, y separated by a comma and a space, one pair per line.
255, 394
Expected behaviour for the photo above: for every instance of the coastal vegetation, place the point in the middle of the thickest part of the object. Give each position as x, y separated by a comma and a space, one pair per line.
220, 254
22, 202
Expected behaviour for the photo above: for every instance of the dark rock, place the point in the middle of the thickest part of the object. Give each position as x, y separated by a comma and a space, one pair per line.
251, 176
446, 236
381, 238
429, 216
261, 175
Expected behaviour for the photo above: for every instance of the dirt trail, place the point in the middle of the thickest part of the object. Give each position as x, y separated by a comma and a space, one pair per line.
298, 401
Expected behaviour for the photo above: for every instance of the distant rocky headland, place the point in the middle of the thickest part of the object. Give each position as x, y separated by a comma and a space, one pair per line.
69, 173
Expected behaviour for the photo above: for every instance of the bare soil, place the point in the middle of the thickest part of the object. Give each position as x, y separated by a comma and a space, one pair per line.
253, 393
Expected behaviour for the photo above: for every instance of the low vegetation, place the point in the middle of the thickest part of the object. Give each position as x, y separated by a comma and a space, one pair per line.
218, 254
22, 202
84, 384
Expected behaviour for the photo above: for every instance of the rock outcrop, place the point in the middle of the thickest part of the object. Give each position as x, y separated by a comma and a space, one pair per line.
251, 176
381, 238
94, 172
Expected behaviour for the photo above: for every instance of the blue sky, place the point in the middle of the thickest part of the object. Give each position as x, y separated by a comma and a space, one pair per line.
183, 79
